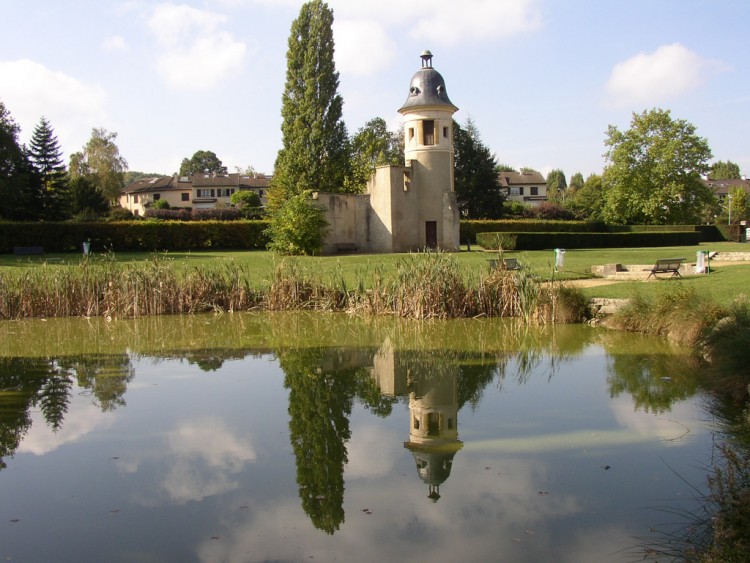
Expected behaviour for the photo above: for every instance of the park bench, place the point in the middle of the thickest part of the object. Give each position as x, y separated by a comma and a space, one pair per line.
666, 266
28, 250
346, 247
507, 264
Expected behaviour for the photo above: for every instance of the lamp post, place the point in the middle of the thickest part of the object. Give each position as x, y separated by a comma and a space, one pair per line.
729, 208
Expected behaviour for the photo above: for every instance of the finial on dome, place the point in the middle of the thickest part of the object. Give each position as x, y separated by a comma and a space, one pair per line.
426, 57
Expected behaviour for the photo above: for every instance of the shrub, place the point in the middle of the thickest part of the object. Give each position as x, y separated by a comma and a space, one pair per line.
119, 213
298, 226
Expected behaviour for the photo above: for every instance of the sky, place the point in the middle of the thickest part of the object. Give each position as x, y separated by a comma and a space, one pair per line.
542, 80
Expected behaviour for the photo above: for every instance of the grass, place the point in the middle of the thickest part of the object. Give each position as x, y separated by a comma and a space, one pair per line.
723, 284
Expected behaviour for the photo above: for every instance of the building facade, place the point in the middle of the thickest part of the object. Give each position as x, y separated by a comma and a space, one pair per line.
527, 186
200, 191
409, 207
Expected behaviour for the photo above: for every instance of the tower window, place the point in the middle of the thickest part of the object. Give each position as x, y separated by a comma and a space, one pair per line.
445, 132
407, 181
411, 133
428, 130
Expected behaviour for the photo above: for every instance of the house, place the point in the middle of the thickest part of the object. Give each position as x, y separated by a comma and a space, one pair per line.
721, 188
200, 191
527, 186
409, 207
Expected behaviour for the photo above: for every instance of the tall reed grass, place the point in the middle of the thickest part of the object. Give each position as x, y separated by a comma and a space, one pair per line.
420, 286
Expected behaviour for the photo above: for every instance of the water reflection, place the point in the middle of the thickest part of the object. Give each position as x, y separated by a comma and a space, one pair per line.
439, 373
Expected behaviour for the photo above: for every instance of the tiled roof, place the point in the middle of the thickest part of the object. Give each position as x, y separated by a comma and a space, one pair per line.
520, 178
722, 187
164, 183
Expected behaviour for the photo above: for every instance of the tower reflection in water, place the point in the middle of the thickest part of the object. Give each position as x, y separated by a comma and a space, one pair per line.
432, 388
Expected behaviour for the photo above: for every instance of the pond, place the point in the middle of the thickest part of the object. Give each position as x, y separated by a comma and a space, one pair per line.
290, 437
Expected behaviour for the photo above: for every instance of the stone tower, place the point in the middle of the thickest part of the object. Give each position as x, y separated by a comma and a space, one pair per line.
428, 151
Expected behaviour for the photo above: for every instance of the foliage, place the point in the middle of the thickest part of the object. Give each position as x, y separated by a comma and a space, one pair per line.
549, 210
586, 202
724, 171
505, 168
372, 146
46, 158
85, 198
20, 186
576, 182
298, 226
476, 182
119, 213
549, 240
202, 162
101, 163
315, 149
249, 204
654, 171
160, 204
556, 185
739, 202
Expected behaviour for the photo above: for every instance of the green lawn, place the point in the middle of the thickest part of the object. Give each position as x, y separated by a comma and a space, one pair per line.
724, 283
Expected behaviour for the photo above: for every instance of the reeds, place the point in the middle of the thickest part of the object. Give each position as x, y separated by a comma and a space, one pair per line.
420, 286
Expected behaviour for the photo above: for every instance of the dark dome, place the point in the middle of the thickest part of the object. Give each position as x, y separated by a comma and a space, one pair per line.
427, 87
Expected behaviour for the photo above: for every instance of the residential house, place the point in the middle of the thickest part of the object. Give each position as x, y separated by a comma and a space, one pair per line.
721, 188
200, 191
527, 186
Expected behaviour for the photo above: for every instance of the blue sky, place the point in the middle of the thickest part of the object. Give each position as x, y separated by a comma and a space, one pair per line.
541, 79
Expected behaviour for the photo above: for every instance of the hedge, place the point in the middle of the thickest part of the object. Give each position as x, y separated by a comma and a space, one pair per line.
135, 235
471, 228
542, 241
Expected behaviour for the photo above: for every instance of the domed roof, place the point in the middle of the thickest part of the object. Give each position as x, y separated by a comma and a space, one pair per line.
427, 88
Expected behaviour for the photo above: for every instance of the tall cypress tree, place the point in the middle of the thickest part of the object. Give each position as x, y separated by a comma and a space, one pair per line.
46, 157
314, 154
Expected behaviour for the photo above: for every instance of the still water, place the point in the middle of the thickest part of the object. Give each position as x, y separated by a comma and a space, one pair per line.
292, 437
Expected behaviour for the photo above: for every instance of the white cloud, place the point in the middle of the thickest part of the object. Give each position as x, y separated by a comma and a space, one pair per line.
206, 456
196, 53
362, 47
115, 43
30, 90
653, 78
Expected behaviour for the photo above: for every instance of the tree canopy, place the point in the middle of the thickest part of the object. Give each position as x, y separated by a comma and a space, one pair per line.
556, 185
101, 162
20, 185
372, 146
202, 162
653, 171
724, 171
315, 149
476, 177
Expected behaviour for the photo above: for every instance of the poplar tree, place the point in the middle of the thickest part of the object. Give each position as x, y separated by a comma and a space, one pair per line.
46, 158
314, 154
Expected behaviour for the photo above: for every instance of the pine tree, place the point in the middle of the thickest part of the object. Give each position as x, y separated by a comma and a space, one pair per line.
46, 157
314, 154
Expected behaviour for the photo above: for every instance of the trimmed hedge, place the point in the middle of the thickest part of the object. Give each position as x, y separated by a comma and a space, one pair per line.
542, 241
472, 228
135, 235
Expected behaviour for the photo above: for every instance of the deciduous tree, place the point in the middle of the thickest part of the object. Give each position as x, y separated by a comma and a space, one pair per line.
101, 162
202, 162
653, 171
724, 171
315, 150
372, 146
20, 186
476, 181
556, 185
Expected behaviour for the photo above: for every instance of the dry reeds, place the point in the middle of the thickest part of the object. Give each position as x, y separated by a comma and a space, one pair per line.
421, 286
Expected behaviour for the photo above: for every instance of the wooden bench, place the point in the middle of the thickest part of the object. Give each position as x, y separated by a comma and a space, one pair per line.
346, 247
666, 266
507, 264
28, 250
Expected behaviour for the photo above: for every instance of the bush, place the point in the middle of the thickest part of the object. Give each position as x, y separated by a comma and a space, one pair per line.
541, 241
298, 226
120, 214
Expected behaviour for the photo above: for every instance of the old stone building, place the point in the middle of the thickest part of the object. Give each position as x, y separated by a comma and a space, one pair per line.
409, 207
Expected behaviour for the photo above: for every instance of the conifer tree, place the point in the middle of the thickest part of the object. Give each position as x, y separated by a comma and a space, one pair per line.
314, 154
19, 184
46, 157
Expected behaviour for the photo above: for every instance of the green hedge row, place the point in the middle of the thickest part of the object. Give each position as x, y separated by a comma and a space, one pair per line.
541, 241
135, 235
471, 228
